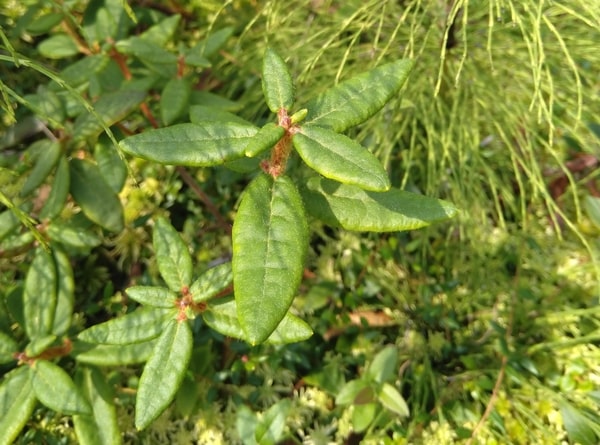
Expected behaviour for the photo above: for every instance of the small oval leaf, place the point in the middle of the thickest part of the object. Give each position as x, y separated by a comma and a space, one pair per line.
211, 282
199, 145
338, 157
265, 139
355, 100
39, 295
95, 197
65, 293
393, 400
163, 372
55, 389
153, 296
384, 366
111, 165
46, 159
139, 326
8, 347
174, 99
17, 400
277, 84
270, 240
59, 192
352, 208
172, 256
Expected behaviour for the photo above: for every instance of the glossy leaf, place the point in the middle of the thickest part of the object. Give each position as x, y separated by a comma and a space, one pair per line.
138, 326
577, 425
174, 99
211, 282
39, 345
362, 416
350, 391
393, 400
190, 144
352, 208
100, 428
59, 192
338, 157
39, 295
265, 139
355, 100
113, 355
55, 389
172, 256
163, 372
270, 239
383, 368
200, 114
80, 72
58, 46
65, 293
111, 107
70, 233
277, 84
47, 157
153, 296
222, 316
269, 429
112, 167
17, 401
8, 347
95, 197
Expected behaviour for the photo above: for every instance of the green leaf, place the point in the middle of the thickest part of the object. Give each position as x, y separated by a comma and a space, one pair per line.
245, 424
39, 295
350, 207
270, 240
174, 99
172, 256
95, 197
338, 157
265, 139
8, 347
392, 400
112, 108
138, 326
39, 345
101, 428
211, 282
222, 316
383, 368
277, 84
113, 355
44, 23
577, 425
112, 167
59, 192
163, 372
350, 391
47, 156
212, 100
17, 401
592, 208
80, 72
70, 233
215, 41
200, 114
65, 293
8, 222
362, 416
55, 389
48, 105
148, 52
153, 296
190, 144
269, 429
163, 31
355, 100
58, 46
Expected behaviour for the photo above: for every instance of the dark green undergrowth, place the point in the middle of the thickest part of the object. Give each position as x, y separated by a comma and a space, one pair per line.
487, 325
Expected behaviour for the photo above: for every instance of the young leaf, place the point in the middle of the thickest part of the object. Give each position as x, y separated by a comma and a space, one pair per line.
277, 84
355, 100
393, 400
338, 157
46, 159
65, 293
139, 326
97, 200
113, 355
59, 192
163, 372
55, 389
383, 367
200, 114
353, 208
39, 345
101, 428
153, 296
172, 255
211, 282
270, 427
39, 295
190, 144
265, 139
7, 348
174, 99
270, 239
17, 401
